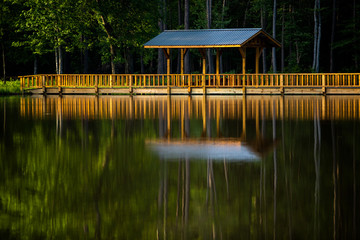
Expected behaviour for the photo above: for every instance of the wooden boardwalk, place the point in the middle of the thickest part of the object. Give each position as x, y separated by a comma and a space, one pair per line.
194, 84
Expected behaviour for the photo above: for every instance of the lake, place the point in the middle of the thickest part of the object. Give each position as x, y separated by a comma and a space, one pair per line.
160, 167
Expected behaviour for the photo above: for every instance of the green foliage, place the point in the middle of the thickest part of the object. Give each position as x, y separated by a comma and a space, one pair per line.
38, 27
11, 87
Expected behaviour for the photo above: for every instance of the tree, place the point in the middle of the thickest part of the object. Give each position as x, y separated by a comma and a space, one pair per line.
333, 22
208, 22
317, 36
187, 26
274, 36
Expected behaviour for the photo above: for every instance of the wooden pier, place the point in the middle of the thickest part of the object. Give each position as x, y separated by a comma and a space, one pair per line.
194, 84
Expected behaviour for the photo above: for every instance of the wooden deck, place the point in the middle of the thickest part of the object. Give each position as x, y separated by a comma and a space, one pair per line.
194, 84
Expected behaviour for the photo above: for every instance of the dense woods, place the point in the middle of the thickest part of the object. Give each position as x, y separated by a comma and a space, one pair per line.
106, 36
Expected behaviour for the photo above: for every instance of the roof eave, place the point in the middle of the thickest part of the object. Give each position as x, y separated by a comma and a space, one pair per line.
194, 46
274, 41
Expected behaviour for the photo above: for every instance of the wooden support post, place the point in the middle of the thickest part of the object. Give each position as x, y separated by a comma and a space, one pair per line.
323, 84
167, 55
182, 62
203, 55
243, 54
218, 66
217, 61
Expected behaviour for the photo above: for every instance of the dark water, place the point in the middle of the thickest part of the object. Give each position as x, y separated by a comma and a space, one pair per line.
179, 168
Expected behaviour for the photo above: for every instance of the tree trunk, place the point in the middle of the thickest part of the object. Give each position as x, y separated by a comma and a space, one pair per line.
222, 26
245, 14
3, 61
129, 61
318, 44
332, 36
178, 70
86, 58
57, 60
112, 57
317, 36
186, 26
142, 68
274, 36
356, 63
208, 20
282, 40
263, 26
35, 64
61, 62
161, 25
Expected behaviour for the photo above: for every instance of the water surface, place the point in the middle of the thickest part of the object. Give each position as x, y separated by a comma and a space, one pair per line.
148, 167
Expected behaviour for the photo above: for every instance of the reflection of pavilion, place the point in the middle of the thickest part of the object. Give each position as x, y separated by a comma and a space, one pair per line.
216, 150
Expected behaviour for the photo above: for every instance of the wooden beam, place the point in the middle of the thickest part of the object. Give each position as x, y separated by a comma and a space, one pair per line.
166, 52
202, 52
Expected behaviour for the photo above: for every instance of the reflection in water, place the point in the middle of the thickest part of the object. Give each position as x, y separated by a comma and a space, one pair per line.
150, 107
146, 167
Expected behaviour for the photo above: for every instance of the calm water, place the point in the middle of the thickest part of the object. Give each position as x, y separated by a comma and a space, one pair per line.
179, 168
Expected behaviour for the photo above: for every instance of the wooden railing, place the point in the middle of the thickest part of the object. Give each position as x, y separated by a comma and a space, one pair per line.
192, 80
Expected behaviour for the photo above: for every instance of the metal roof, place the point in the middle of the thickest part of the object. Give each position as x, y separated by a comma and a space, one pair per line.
209, 38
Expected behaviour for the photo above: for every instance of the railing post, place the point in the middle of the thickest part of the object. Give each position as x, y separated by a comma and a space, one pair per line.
189, 83
21, 84
281, 84
43, 84
130, 84
59, 83
110, 80
323, 84
244, 83
96, 84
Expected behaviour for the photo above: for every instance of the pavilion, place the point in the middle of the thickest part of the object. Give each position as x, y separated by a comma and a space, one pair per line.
219, 39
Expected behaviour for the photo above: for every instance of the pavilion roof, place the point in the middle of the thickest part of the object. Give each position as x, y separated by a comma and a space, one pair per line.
213, 38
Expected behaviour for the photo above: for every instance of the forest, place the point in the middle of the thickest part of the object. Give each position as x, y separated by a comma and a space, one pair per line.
107, 36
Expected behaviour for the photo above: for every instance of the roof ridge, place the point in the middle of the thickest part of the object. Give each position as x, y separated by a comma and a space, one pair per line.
218, 29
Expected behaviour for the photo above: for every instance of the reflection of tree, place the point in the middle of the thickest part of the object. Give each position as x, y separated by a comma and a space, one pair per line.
83, 178
317, 152
275, 168
354, 182
286, 170
335, 181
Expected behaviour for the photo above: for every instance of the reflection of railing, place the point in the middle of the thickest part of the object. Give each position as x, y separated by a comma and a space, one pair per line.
192, 80
151, 107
